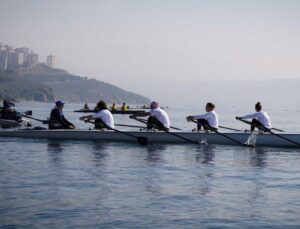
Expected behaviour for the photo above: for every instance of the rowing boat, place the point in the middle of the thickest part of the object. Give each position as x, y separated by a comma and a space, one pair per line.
152, 136
127, 112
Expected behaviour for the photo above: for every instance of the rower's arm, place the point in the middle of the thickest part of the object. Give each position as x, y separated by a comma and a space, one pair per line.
86, 117
254, 115
204, 116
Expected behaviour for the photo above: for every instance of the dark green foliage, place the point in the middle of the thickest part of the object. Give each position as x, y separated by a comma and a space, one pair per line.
41, 83
14, 87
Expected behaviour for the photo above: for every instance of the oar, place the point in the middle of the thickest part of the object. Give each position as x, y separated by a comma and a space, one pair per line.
278, 130
224, 135
25, 113
83, 118
269, 131
248, 122
178, 136
165, 130
228, 128
145, 122
39, 120
141, 140
125, 125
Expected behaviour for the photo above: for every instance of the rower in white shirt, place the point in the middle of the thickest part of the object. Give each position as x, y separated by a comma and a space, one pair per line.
209, 120
103, 118
158, 117
259, 119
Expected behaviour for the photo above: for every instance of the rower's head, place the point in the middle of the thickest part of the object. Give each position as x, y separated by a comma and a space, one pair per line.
101, 105
7, 104
60, 104
258, 107
210, 107
154, 105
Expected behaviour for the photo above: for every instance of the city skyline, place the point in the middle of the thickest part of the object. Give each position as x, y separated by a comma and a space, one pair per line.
12, 58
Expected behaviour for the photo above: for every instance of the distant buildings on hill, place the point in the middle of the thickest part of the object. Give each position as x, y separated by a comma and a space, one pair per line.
50, 61
19, 58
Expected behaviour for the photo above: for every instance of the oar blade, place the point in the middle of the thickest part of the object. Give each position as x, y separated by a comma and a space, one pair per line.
142, 140
28, 112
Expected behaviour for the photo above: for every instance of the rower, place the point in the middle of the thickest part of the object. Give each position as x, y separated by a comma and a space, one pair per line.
57, 119
158, 118
260, 119
209, 120
86, 106
8, 112
113, 107
103, 118
124, 107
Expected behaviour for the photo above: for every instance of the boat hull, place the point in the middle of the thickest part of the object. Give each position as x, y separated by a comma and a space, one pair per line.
153, 137
5, 123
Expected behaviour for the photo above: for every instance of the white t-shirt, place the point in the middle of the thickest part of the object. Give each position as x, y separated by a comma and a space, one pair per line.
106, 117
262, 117
211, 117
161, 115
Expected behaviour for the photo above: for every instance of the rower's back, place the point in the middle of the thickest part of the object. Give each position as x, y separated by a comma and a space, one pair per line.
161, 115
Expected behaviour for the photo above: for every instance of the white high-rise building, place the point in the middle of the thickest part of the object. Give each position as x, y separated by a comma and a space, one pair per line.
19, 58
51, 61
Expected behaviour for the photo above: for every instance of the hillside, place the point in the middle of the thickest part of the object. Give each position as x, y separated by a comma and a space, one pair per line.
74, 88
43, 84
14, 87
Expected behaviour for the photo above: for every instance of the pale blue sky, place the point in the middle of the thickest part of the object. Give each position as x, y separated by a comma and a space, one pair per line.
142, 45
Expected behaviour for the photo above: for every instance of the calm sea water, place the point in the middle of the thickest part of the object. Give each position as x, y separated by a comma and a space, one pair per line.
86, 184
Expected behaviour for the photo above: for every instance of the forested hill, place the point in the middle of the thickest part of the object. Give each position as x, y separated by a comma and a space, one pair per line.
14, 87
74, 88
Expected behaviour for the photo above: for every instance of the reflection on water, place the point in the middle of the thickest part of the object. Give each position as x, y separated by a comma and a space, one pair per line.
55, 150
258, 157
206, 154
154, 153
100, 153
107, 185
155, 160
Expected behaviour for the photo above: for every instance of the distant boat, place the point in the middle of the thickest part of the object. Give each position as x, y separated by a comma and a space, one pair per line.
127, 112
147, 107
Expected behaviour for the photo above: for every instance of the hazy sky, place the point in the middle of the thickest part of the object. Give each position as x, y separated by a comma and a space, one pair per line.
142, 45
